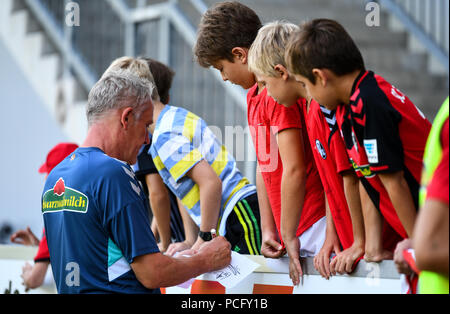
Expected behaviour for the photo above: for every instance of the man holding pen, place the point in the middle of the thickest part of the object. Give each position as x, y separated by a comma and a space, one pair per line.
95, 212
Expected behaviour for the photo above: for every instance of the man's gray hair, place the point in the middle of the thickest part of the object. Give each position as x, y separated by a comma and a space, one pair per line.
117, 90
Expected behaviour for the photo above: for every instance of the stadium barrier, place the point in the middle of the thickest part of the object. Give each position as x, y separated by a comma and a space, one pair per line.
271, 277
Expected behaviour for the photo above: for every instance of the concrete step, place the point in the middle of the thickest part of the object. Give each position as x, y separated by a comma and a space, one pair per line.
405, 80
18, 23
384, 59
32, 44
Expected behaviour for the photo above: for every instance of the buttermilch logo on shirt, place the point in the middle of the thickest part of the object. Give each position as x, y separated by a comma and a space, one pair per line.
63, 198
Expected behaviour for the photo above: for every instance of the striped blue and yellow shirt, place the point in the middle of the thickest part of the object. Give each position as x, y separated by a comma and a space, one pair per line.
182, 139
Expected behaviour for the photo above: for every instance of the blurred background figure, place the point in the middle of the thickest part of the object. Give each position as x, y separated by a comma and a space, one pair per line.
431, 242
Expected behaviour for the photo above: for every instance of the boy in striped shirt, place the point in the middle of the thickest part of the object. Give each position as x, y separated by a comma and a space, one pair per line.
204, 176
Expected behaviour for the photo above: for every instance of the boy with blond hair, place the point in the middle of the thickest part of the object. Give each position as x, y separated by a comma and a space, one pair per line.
384, 132
290, 194
266, 60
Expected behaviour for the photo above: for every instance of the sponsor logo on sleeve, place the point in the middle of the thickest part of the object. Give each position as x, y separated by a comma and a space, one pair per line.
371, 150
63, 198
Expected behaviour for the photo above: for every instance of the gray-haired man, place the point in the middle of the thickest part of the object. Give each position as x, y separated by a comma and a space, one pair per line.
95, 212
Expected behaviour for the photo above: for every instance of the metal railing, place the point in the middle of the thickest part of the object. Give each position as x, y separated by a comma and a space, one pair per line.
113, 28
428, 21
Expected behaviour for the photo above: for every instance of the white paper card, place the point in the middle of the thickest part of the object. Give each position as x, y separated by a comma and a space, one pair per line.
230, 276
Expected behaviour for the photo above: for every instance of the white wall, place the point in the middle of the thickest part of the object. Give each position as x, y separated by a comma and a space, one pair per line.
27, 133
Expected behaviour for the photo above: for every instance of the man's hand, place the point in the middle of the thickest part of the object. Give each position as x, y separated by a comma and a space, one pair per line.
213, 255
217, 253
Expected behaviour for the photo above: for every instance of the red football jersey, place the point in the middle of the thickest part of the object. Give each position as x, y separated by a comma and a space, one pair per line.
383, 132
331, 158
266, 118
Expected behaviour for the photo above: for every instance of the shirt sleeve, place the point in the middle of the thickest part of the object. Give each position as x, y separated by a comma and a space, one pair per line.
177, 153
339, 152
382, 140
130, 231
126, 213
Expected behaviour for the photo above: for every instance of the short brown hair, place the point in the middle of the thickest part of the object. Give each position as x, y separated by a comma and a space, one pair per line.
322, 44
163, 76
223, 27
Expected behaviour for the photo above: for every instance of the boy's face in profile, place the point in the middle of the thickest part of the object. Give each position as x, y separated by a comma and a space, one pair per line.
284, 90
318, 91
236, 72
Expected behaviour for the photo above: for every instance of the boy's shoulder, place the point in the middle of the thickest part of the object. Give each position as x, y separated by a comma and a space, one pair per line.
176, 116
374, 87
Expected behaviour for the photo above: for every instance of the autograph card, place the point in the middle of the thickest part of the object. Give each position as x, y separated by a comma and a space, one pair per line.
230, 276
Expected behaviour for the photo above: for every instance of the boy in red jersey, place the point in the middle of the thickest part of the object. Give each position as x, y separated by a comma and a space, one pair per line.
289, 190
383, 131
266, 60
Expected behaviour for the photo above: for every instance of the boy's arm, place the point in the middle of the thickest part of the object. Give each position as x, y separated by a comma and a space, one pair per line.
430, 240
344, 261
271, 246
190, 228
331, 244
384, 148
160, 206
401, 198
351, 191
210, 187
293, 182
190, 232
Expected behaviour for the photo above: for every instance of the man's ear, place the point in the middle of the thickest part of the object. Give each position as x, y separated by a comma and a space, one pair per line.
282, 71
240, 54
125, 117
321, 76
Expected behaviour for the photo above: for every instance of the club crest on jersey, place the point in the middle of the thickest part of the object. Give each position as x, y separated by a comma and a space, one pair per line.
63, 198
321, 150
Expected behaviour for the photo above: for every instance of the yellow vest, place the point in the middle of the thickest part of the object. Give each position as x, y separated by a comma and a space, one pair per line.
430, 282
